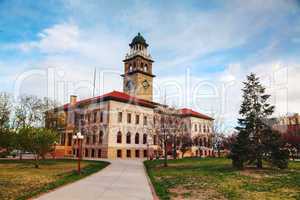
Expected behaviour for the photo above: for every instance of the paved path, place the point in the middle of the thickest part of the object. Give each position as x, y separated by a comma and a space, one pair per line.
121, 180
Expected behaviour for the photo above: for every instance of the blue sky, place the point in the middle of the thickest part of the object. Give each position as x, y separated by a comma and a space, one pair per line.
200, 47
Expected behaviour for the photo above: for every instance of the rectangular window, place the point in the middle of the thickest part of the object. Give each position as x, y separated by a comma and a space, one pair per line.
94, 139
145, 121
93, 153
120, 117
101, 116
70, 139
119, 153
145, 153
128, 118
195, 127
86, 153
99, 153
95, 117
128, 153
137, 153
137, 119
82, 119
62, 139
89, 117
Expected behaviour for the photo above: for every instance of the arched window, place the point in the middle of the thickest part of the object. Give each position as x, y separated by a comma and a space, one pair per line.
200, 142
134, 65
137, 138
145, 138
101, 137
145, 68
119, 137
128, 138
130, 68
205, 142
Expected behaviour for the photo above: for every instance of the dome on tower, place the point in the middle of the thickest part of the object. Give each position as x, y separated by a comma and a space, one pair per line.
139, 39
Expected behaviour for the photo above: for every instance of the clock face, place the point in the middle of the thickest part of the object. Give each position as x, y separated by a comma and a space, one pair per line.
145, 84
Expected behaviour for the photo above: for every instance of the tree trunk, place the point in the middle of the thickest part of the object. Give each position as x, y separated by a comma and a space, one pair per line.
183, 152
20, 155
36, 164
166, 155
219, 153
259, 164
174, 148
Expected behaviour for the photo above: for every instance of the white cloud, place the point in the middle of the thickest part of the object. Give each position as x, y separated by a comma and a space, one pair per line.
57, 39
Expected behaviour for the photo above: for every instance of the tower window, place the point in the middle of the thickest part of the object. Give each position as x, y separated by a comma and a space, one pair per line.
145, 68
134, 65
130, 68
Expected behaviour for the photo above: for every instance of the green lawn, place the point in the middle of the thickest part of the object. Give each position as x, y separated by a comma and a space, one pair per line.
20, 180
194, 178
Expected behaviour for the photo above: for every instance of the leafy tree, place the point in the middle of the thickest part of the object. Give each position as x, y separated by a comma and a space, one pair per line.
7, 140
253, 141
38, 141
29, 112
6, 134
5, 110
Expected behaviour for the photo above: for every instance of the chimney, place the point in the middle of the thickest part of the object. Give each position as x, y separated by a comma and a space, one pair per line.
73, 99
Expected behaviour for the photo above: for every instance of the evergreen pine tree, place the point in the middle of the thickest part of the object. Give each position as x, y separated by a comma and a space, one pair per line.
253, 140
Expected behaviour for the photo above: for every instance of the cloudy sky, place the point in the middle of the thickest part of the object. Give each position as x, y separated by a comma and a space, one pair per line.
202, 50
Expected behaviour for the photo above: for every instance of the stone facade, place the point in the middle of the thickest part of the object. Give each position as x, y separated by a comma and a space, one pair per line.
126, 124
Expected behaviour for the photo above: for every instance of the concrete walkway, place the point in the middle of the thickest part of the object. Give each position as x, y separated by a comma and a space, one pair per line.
121, 180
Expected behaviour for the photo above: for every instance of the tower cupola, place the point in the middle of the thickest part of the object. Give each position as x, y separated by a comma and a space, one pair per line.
138, 46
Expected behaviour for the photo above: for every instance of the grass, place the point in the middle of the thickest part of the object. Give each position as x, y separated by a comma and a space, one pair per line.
214, 178
20, 180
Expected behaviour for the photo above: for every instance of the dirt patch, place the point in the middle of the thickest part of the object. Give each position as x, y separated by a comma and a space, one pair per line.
254, 173
180, 193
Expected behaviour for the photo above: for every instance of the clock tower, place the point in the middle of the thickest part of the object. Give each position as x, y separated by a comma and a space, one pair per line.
138, 77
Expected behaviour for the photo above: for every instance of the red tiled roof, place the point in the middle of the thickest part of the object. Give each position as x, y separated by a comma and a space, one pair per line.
117, 96
190, 112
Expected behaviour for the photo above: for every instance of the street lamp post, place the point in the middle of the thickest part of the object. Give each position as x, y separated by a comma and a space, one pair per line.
79, 137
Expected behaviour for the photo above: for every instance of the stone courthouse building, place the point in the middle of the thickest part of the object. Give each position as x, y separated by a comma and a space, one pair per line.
125, 124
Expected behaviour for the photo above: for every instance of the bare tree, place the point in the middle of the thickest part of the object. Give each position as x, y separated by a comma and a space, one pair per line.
168, 126
30, 111
218, 134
